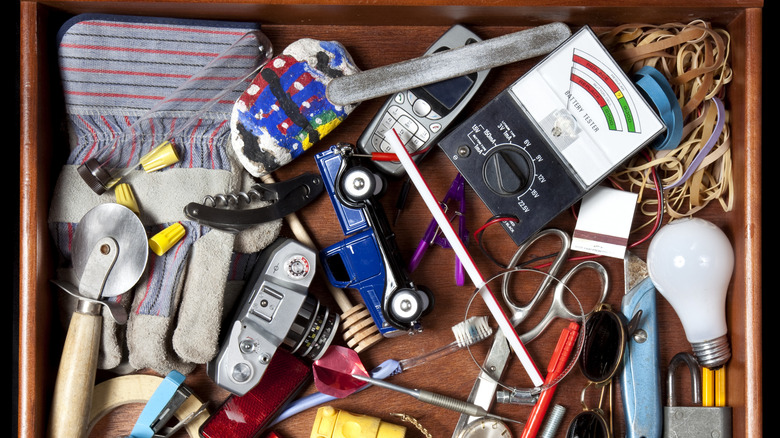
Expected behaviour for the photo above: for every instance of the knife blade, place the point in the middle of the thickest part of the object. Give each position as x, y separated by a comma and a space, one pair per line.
640, 380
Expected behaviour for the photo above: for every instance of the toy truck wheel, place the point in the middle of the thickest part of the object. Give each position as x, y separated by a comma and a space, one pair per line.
359, 184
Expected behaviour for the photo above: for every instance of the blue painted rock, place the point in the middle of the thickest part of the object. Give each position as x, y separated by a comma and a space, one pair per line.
284, 111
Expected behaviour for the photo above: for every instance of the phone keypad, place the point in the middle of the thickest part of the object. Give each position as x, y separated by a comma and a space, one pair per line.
413, 134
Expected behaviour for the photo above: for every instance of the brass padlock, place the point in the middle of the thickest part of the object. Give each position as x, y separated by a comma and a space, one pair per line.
696, 421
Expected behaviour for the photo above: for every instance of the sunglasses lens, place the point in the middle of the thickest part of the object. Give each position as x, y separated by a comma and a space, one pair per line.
588, 424
603, 346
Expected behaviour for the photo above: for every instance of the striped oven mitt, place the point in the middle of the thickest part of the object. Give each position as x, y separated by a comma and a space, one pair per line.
141, 75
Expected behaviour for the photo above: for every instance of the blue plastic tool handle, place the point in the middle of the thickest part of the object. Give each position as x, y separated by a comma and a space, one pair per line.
159, 400
641, 377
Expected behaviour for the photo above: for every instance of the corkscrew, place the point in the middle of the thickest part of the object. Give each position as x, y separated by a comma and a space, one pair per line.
225, 212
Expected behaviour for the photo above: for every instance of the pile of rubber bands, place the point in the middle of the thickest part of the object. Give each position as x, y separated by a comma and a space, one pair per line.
694, 58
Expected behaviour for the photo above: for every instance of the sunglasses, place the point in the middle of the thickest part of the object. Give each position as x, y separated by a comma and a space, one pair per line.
606, 333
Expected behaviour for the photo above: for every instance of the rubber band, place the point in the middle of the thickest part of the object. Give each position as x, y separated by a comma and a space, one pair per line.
702, 154
694, 58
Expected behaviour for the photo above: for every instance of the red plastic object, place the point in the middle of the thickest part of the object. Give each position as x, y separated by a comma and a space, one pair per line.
333, 372
554, 369
246, 416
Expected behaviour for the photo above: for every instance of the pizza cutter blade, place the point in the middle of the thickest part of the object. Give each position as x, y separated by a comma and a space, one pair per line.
116, 222
110, 251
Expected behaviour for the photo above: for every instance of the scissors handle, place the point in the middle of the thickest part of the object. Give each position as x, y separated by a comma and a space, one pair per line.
558, 308
520, 313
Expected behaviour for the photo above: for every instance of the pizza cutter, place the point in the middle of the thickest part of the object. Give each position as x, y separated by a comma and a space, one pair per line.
109, 254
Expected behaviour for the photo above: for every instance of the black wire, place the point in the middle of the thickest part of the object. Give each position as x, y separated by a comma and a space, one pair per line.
483, 228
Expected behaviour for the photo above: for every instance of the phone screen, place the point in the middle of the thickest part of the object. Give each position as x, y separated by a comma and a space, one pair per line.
449, 92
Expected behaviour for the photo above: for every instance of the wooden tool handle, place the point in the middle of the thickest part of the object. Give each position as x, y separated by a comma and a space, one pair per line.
76, 377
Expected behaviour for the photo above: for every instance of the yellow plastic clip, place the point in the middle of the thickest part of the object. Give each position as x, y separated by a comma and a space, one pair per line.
124, 196
162, 156
165, 239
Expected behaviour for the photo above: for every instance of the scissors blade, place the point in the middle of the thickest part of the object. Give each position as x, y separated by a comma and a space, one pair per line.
484, 390
641, 378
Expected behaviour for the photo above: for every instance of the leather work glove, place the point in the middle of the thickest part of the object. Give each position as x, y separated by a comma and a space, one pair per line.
116, 69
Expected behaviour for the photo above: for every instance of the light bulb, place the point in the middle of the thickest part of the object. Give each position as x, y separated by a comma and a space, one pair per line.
690, 261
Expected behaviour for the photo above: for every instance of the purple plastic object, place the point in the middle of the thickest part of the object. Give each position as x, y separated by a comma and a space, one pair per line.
456, 194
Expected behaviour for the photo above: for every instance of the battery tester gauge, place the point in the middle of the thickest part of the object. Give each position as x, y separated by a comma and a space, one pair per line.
558, 131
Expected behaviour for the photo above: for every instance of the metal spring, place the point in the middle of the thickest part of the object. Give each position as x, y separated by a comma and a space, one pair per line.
233, 199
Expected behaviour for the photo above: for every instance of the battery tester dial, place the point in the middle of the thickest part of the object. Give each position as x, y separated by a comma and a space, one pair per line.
508, 170
509, 164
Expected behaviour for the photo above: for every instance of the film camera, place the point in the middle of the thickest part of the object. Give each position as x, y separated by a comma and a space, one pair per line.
276, 311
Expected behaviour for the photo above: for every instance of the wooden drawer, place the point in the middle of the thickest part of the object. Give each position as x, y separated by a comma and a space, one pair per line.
379, 33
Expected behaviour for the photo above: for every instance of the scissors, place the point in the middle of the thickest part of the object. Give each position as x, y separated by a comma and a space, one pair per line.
484, 389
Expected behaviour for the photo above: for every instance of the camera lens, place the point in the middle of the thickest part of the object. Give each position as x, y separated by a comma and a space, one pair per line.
312, 331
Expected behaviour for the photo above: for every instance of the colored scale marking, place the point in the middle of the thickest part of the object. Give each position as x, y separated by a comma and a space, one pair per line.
599, 99
613, 87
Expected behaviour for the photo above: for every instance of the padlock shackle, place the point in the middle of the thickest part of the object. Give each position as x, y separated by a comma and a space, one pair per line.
695, 369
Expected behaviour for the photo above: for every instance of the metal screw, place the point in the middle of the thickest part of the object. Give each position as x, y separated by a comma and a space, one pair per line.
640, 336
464, 151
265, 358
553, 421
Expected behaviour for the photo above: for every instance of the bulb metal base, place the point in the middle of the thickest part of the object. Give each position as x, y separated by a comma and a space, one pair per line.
713, 353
